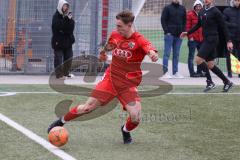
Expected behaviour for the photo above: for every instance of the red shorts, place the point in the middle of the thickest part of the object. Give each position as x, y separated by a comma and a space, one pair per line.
105, 92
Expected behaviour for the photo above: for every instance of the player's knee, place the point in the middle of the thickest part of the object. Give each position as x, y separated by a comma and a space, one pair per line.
134, 110
86, 108
210, 65
198, 60
89, 107
135, 117
80, 109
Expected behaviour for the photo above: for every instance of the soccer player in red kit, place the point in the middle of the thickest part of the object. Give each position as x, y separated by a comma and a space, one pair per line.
121, 79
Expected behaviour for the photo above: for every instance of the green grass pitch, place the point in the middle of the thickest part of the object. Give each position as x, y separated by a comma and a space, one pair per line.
174, 127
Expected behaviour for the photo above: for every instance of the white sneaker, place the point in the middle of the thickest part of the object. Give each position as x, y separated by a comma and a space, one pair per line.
166, 76
177, 76
70, 76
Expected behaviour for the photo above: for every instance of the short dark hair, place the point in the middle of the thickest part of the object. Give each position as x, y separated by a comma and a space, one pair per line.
126, 16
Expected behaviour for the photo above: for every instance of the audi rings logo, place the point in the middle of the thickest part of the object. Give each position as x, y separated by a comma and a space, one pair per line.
122, 53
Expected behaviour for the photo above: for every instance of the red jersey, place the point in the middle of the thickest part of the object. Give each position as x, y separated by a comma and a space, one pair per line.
125, 69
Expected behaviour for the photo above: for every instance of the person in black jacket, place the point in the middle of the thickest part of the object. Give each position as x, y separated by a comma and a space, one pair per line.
211, 19
232, 17
173, 22
63, 39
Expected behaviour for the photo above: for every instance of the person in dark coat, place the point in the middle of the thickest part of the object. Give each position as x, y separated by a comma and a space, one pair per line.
173, 22
232, 17
63, 39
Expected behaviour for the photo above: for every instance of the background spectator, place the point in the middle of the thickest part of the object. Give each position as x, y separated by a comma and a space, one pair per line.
195, 39
232, 17
173, 22
63, 39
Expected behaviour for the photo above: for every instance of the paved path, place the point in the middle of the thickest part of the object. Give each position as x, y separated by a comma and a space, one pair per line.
32, 79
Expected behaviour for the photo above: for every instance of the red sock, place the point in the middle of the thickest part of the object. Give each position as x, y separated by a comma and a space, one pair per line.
72, 114
130, 125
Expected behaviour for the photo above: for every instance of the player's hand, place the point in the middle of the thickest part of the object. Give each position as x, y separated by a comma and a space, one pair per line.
183, 35
103, 56
153, 55
230, 46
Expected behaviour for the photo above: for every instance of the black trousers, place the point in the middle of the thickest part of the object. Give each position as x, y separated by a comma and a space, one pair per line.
236, 52
63, 62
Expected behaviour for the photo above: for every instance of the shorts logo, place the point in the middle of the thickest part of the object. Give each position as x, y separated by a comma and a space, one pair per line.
122, 53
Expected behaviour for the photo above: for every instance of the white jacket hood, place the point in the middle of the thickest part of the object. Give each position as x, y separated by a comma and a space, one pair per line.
60, 5
197, 2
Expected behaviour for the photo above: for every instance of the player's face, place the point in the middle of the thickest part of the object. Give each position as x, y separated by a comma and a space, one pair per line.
123, 28
208, 2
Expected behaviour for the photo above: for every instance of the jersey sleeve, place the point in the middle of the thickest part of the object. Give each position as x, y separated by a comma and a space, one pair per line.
113, 38
111, 42
145, 44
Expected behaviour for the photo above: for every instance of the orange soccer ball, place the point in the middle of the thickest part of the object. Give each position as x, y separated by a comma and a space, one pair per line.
58, 136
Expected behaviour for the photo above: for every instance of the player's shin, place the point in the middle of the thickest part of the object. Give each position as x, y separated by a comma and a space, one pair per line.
130, 125
72, 114
220, 74
205, 69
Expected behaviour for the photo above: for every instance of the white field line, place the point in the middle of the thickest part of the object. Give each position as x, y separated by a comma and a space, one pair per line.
58, 152
7, 94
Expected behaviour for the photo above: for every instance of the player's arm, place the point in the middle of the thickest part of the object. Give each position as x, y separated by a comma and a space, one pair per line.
223, 26
193, 29
153, 55
148, 48
102, 55
108, 47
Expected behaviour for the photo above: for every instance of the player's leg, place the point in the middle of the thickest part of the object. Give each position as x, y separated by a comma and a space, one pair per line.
133, 120
130, 101
204, 67
227, 84
204, 52
199, 70
90, 105
101, 95
134, 111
